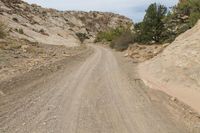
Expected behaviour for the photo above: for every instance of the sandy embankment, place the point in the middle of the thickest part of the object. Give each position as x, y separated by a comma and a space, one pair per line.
176, 71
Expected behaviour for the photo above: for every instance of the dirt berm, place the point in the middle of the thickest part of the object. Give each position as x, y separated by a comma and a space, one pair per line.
176, 71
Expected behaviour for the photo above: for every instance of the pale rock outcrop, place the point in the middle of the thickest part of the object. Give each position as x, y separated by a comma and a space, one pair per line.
177, 70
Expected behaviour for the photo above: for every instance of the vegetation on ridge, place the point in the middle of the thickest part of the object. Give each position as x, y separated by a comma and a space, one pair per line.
159, 25
190, 8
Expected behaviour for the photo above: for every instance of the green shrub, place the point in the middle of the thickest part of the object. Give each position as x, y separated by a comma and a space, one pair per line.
82, 36
190, 8
3, 32
194, 17
184, 8
183, 28
109, 35
122, 42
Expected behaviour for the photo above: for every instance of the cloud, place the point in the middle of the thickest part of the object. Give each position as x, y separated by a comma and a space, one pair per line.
134, 9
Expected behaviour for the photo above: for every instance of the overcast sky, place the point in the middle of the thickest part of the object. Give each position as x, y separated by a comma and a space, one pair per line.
134, 9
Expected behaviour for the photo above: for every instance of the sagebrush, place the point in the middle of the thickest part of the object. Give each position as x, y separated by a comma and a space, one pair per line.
122, 42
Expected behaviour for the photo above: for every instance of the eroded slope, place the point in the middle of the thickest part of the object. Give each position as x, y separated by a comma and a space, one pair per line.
177, 70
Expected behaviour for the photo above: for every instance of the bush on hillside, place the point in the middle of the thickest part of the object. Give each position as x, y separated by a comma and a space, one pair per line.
194, 17
190, 8
3, 31
122, 42
119, 38
82, 37
182, 17
109, 35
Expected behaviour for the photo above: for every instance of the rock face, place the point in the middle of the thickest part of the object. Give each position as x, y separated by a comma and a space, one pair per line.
50, 26
177, 70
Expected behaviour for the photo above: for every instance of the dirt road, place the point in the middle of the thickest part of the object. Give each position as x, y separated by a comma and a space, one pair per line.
95, 95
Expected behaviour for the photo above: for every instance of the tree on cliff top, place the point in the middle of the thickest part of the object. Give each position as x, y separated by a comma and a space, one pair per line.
152, 26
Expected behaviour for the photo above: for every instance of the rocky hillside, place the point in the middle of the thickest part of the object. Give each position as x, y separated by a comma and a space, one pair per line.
49, 26
176, 70
32, 28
